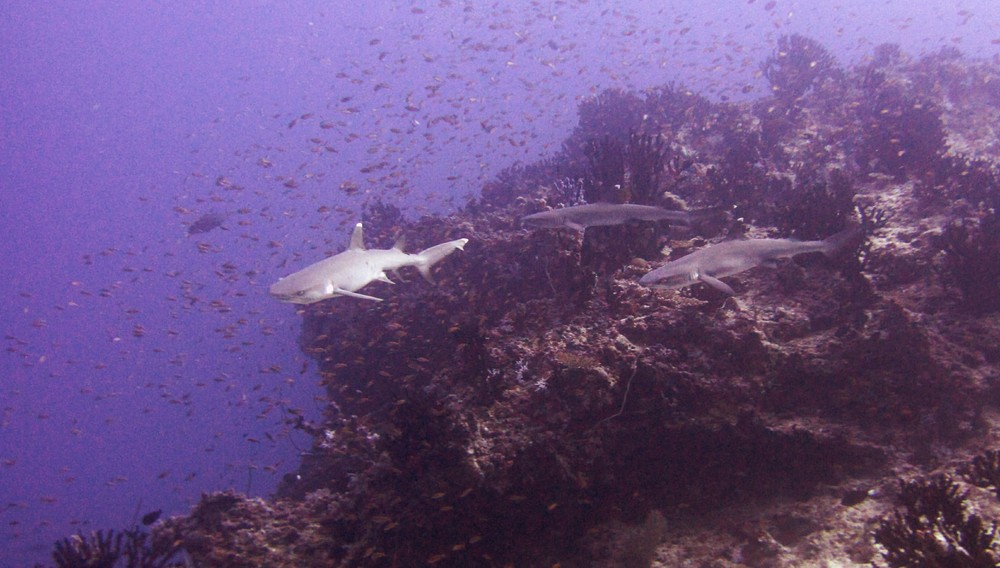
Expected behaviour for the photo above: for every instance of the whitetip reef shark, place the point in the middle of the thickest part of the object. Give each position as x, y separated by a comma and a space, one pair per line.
579, 217
345, 273
732, 257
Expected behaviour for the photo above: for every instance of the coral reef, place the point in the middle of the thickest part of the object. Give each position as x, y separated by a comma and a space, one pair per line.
540, 407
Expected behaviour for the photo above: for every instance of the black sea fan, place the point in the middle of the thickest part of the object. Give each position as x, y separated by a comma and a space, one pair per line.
99, 550
606, 181
936, 529
796, 65
971, 248
645, 157
818, 205
133, 548
984, 471
612, 113
901, 133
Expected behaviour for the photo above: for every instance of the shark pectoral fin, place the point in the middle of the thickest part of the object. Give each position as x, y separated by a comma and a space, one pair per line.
717, 284
383, 278
769, 263
356, 295
576, 226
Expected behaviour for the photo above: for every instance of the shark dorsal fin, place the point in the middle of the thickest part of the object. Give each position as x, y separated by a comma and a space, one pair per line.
357, 238
400, 243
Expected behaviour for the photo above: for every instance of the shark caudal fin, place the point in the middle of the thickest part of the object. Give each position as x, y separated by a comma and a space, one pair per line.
838, 242
429, 257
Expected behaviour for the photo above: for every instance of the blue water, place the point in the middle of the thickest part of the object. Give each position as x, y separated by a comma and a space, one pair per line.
144, 366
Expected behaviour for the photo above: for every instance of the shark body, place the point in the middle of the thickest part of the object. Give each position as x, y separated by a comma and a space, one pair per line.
345, 273
732, 257
579, 217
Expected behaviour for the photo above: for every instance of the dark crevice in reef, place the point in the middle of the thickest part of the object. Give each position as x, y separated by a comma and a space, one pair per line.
538, 405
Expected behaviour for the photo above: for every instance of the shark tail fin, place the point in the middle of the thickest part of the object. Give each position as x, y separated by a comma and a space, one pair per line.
429, 257
838, 242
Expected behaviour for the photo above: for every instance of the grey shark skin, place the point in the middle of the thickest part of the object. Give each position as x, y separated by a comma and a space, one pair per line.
345, 273
732, 257
579, 217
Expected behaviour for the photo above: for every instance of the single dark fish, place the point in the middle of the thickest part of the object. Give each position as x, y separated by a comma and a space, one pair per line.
206, 223
151, 517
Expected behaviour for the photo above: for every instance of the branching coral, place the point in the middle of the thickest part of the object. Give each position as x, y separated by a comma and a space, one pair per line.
936, 529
